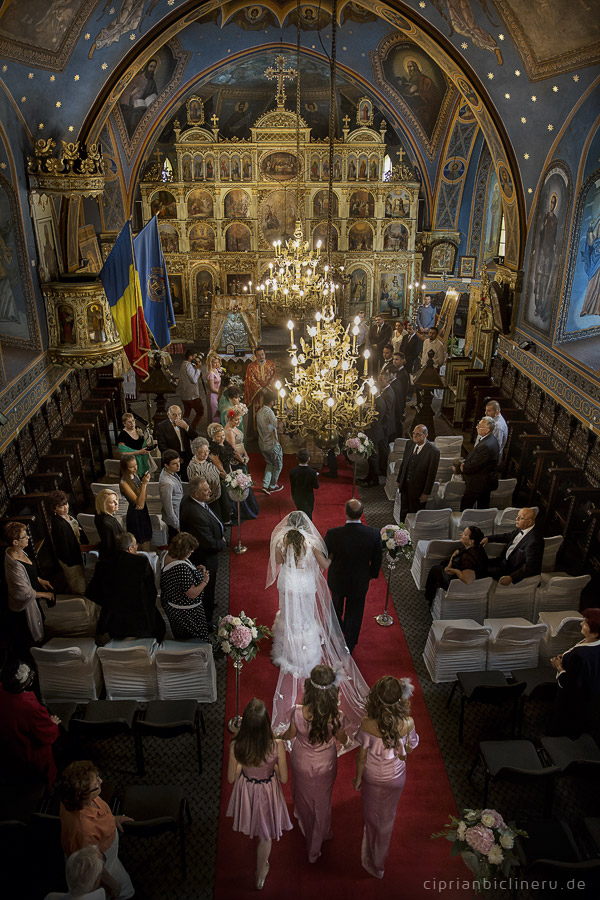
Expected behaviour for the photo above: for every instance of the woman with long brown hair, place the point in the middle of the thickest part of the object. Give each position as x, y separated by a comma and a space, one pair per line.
316, 724
257, 765
386, 736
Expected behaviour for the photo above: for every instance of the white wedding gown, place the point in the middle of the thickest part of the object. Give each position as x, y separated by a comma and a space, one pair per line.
306, 632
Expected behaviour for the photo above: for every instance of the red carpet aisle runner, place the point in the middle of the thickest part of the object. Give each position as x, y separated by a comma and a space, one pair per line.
414, 860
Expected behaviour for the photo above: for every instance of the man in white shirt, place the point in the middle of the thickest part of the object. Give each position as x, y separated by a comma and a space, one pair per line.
268, 444
492, 409
432, 342
523, 553
83, 872
188, 387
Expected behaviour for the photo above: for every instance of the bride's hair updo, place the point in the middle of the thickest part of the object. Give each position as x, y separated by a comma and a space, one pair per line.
296, 541
255, 738
321, 696
388, 705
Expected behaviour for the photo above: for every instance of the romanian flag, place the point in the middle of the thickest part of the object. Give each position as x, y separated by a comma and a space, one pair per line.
121, 283
156, 294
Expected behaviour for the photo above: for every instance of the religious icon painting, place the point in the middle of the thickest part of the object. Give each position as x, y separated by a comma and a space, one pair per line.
374, 169
198, 168
236, 168
352, 168
279, 165
66, 324
362, 205
391, 291
201, 238
204, 286
163, 205
397, 205
321, 204
363, 168
277, 216
177, 294
199, 204
395, 237
315, 168
360, 237
236, 204
320, 235
359, 286
337, 167
210, 167
364, 112
238, 238
224, 167
195, 111
169, 238
186, 168
247, 168
466, 266
95, 324
46, 238
442, 258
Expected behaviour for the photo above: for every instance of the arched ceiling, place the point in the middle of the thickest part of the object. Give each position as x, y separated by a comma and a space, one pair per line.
67, 63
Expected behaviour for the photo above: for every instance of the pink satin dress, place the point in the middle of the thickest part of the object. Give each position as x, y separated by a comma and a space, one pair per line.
382, 784
257, 804
314, 768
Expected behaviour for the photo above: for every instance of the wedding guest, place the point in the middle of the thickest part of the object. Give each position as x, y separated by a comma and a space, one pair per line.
202, 464
304, 481
106, 522
197, 519
426, 314
170, 490
234, 436
492, 409
316, 724
386, 736
268, 444
261, 375
578, 677
380, 333
175, 433
231, 397
28, 731
257, 767
188, 388
25, 589
182, 585
86, 819
83, 873
213, 369
67, 537
137, 520
432, 342
399, 337
480, 467
466, 564
131, 440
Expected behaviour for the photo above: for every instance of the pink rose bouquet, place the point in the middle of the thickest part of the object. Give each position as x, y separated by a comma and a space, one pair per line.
359, 445
396, 541
238, 637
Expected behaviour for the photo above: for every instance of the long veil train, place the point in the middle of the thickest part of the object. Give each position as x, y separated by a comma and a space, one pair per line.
306, 629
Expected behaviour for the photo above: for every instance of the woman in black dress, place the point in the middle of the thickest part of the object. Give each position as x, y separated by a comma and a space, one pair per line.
182, 585
134, 490
578, 676
468, 563
106, 522
131, 440
67, 536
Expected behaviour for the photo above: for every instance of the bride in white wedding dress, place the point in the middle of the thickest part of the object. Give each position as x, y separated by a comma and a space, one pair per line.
306, 630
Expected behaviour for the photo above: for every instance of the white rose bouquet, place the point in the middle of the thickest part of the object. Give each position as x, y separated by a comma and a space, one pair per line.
360, 445
237, 482
396, 541
238, 637
484, 840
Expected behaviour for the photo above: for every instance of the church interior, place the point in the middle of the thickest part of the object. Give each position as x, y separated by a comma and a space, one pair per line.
315, 170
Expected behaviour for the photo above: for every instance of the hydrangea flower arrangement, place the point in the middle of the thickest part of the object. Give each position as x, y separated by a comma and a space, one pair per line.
360, 444
238, 637
484, 840
237, 482
396, 541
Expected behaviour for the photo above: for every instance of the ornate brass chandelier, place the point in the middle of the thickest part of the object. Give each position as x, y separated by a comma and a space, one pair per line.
325, 396
296, 282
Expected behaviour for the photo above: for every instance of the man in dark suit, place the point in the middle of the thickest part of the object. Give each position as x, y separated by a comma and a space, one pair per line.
480, 467
417, 472
522, 556
304, 481
379, 335
197, 518
412, 348
401, 387
388, 358
123, 586
355, 553
175, 433
376, 433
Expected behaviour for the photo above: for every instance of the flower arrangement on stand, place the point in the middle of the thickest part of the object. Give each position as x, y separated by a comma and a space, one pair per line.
396, 542
484, 841
238, 485
238, 637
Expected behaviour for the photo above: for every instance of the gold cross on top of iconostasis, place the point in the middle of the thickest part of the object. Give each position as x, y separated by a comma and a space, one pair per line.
280, 72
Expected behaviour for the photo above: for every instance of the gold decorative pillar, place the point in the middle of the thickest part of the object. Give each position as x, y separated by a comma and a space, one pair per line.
81, 331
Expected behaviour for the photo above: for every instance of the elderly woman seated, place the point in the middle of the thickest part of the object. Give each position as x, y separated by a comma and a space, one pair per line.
467, 563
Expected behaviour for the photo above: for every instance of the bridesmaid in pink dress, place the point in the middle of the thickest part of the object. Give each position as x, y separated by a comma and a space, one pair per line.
213, 364
257, 765
316, 725
386, 735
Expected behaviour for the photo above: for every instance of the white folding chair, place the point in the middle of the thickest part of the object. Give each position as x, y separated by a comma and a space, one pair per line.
449, 445
86, 520
506, 520
68, 669
444, 470
502, 496
466, 601
70, 616
391, 485
514, 643
153, 498
551, 547
400, 446
558, 590
455, 645
129, 668
513, 599
429, 554
186, 670
428, 524
112, 469
452, 495
564, 631
482, 518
